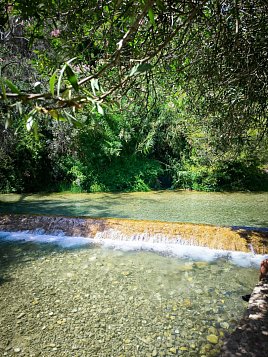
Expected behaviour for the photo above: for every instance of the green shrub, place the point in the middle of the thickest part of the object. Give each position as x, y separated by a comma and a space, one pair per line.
130, 173
227, 175
97, 187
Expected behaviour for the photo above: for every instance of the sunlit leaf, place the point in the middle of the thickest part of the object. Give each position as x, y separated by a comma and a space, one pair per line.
60, 79
100, 109
19, 107
134, 70
37, 86
29, 123
52, 81
140, 68
30, 119
94, 85
8, 121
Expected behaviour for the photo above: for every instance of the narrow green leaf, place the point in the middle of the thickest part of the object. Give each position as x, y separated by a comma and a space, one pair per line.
96, 83
73, 120
140, 68
72, 78
12, 86
3, 89
8, 121
56, 115
133, 70
30, 119
52, 81
151, 16
29, 123
93, 86
100, 109
60, 79
19, 107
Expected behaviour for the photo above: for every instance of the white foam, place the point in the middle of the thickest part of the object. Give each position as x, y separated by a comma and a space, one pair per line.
115, 240
39, 237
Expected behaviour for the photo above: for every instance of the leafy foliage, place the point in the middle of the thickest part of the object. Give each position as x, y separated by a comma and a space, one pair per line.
144, 94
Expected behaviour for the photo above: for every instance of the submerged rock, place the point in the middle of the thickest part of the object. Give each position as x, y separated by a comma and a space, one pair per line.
213, 339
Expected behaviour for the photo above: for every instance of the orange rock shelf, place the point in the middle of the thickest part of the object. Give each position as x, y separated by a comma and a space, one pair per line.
197, 234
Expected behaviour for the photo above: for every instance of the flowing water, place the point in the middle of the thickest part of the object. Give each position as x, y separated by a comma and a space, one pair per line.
63, 296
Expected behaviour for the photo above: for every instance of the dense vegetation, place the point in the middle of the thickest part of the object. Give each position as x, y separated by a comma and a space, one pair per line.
142, 95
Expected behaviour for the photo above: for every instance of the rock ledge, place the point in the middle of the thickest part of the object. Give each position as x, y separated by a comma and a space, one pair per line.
250, 339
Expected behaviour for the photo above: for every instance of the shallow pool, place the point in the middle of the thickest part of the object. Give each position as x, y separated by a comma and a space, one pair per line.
227, 209
99, 301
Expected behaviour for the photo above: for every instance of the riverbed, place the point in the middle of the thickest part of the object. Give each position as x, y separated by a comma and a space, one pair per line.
224, 209
85, 299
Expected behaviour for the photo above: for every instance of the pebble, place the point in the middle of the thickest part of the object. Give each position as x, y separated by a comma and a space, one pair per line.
213, 339
173, 350
21, 315
154, 353
224, 325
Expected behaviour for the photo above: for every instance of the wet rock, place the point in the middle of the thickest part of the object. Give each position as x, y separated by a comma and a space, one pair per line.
213, 339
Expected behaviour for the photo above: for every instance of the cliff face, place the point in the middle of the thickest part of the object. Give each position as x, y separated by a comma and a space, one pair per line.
250, 339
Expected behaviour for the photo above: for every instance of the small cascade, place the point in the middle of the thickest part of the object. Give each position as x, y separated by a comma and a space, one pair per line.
214, 237
112, 239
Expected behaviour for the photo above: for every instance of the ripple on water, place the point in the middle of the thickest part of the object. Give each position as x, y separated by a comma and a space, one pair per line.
100, 302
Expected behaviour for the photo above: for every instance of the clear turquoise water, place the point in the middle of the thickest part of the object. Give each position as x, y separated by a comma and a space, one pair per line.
230, 209
94, 301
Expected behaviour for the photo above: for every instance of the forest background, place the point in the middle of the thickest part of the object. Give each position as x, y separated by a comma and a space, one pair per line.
133, 95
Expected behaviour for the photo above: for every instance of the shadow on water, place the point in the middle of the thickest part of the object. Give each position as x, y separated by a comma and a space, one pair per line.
77, 208
95, 205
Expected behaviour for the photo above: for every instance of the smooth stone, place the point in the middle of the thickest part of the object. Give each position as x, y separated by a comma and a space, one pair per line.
212, 330
183, 348
200, 265
20, 315
213, 339
173, 350
224, 325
